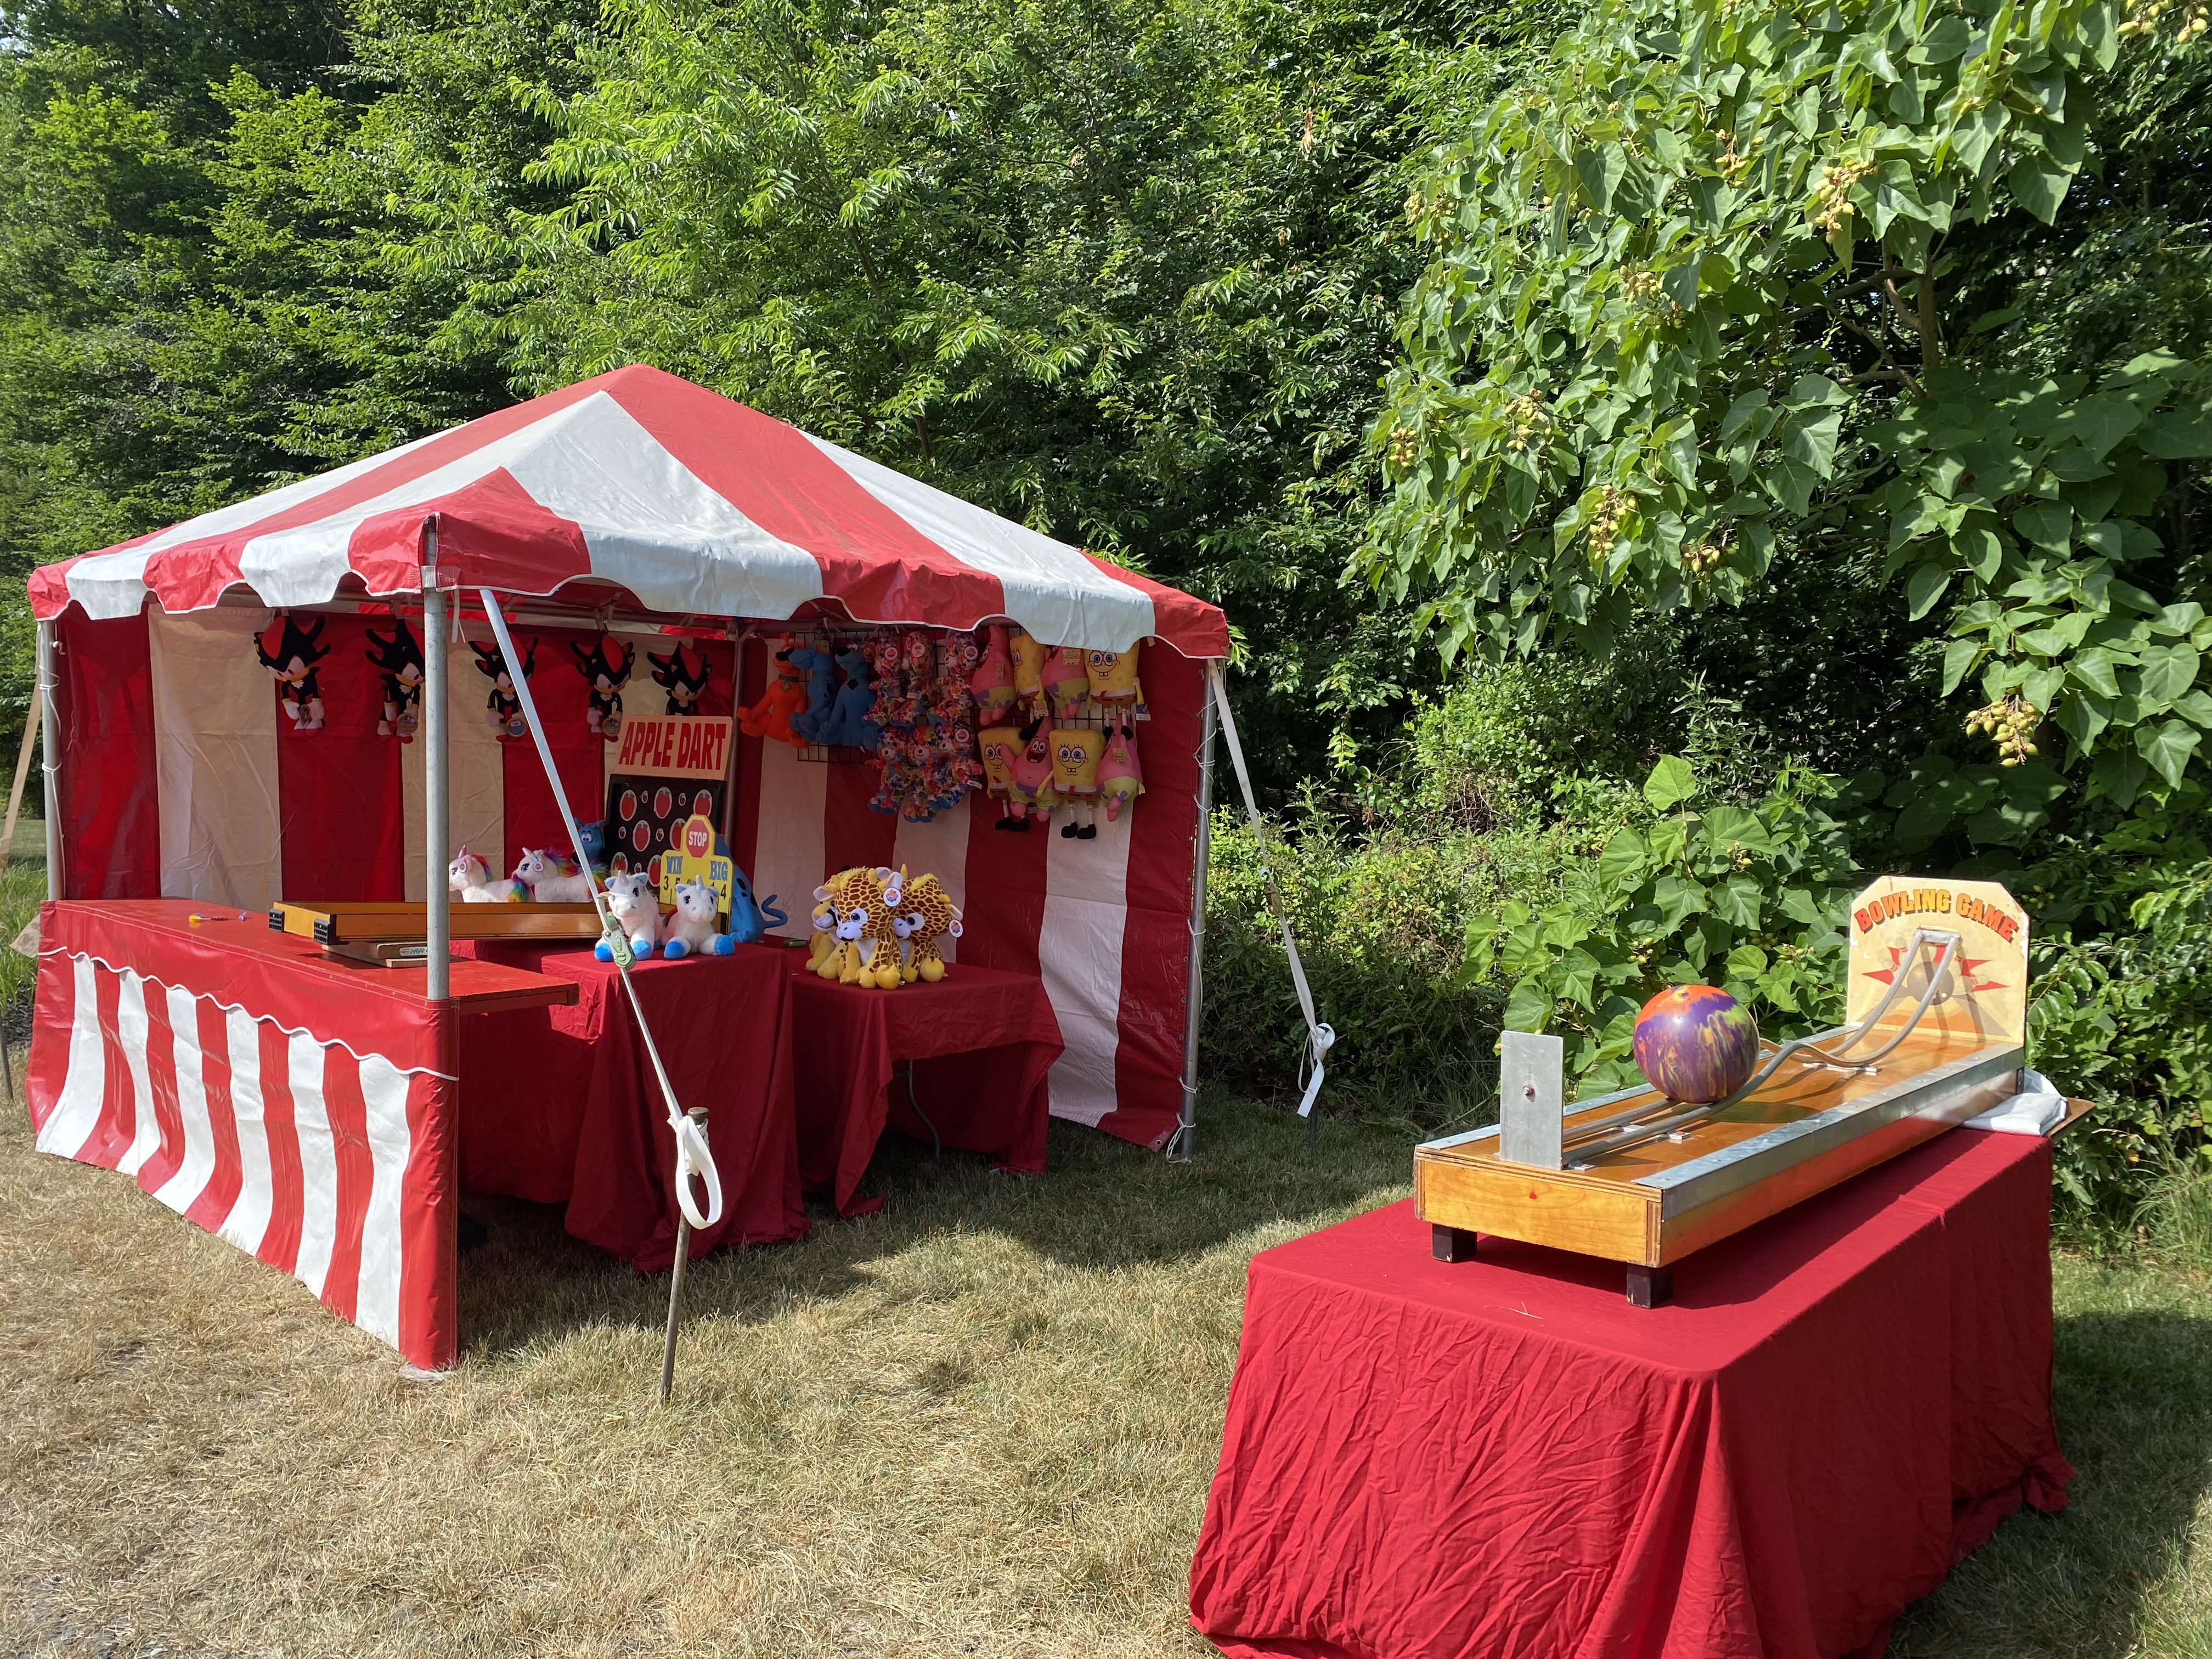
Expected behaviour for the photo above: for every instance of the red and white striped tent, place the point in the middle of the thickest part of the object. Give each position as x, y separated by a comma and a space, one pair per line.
641, 501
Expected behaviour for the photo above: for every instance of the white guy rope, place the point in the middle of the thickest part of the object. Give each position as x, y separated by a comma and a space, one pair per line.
692, 1156
1320, 1038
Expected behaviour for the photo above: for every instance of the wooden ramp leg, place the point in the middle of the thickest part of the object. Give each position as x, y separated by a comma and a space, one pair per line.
1650, 1287
1451, 1243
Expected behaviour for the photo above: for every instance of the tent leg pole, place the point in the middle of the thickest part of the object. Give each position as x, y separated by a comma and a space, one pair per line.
436, 895
51, 760
1182, 1145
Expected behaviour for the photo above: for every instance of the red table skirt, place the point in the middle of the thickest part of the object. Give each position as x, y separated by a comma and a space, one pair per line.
982, 1041
1503, 1458
561, 1105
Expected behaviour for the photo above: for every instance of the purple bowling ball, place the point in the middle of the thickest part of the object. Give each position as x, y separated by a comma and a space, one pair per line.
1696, 1044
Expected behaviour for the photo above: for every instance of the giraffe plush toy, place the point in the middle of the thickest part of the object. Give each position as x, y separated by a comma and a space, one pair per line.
932, 918
866, 950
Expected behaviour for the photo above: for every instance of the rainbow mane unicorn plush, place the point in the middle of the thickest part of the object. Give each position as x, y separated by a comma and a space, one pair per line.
552, 881
469, 876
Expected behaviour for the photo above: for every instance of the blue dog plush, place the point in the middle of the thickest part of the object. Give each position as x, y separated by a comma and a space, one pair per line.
750, 919
849, 723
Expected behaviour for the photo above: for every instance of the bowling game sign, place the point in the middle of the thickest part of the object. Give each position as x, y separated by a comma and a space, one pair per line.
666, 769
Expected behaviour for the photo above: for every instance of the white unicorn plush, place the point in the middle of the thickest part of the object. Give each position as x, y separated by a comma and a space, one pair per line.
470, 877
636, 910
546, 882
692, 927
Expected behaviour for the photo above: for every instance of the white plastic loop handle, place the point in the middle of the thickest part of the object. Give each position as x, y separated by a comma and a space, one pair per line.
1317, 1047
693, 1158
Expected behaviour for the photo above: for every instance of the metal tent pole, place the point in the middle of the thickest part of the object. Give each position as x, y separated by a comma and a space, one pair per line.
50, 766
436, 895
1182, 1146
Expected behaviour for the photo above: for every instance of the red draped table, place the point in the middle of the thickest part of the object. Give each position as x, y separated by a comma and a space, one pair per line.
560, 1106
980, 1043
1503, 1458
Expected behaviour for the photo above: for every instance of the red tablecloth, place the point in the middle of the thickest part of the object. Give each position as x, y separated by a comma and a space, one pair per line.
1503, 1458
561, 1105
982, 1041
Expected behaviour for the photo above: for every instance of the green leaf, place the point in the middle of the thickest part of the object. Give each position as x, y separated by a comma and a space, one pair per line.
1621, 862
2045, 524
2119, 775
1677, 897
1529, 1007
2092, 670
1924, 587
1737, 902
1747, 962
2168, 670
1671, 782
2038, 184
1959, 659
2167, 746
1573, 977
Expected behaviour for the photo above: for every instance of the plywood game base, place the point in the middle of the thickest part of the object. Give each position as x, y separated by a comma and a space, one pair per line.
1806, 1129
353, 921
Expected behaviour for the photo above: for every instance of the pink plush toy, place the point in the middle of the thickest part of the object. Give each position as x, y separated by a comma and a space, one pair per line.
1121, 780
1028, 774
1068, 678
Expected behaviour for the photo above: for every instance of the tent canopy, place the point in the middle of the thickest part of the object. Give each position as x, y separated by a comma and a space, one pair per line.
640, 481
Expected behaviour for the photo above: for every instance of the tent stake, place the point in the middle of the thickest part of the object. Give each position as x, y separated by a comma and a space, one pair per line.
698, 1115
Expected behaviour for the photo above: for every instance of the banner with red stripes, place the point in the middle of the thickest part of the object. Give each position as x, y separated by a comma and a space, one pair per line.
326, 1160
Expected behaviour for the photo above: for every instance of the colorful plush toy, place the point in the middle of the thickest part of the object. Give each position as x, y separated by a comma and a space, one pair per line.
551, 880
607, 674
682, 673
294, 665
636, 909
1121, 780
502, 709
849, 726
470, 877
1113, 677
1066, 678
1029, 669
932, 918
750, 918
1029, 776
690, 931
999, 744
1075, 754
398, 665
865, 900
771, 716
991, 684
821, 670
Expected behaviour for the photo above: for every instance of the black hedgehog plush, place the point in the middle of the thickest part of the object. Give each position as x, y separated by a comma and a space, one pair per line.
606, 675
683, 674
502, 709
398, 665
294, 665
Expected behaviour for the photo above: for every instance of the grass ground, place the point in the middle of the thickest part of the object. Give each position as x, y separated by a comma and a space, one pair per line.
980, 1422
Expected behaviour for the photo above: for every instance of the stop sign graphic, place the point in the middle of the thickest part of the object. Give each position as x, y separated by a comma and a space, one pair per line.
698, 838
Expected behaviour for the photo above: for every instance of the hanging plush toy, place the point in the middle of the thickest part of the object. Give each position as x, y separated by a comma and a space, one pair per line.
682, 673
1120, 779
999, 744
607, 674
1075, 753
771, 716
294, 665
1029, 670
821, 669
1028, 774
991, 684
502, 709
849, 724
1114, 678
1066, 678
398, 665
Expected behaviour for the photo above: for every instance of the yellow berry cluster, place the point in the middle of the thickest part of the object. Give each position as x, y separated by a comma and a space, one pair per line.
1605, 523
1405, 447
1733, 167
1640, 287
2009, 721
1831, 198
1526, 420
2144, 17
1702, 559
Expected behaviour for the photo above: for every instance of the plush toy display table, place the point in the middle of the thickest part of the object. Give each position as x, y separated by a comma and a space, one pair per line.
560, 1106
1503, 1457
976, 1046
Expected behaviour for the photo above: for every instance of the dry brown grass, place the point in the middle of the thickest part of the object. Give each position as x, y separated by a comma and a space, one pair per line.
980, 1423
